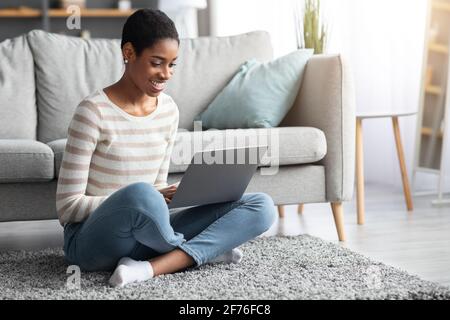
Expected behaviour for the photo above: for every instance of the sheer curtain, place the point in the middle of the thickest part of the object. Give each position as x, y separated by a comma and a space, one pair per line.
384, 43
384, 40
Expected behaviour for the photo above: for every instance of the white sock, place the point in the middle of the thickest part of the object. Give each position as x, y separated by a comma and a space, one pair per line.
129, 270
232, 256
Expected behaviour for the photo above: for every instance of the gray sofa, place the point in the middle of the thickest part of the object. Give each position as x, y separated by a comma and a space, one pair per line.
44, 76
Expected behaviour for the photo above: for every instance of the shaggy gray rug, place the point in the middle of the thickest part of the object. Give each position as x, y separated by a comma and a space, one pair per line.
296, 267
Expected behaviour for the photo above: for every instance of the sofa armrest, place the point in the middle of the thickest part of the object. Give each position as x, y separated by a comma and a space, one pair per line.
326, 100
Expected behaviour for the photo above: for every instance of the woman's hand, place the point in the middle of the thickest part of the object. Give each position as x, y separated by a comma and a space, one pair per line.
169, 191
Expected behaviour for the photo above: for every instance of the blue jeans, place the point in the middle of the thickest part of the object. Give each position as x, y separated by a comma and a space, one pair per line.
135, 222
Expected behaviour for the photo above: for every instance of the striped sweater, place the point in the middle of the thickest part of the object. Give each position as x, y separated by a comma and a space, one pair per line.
108, 148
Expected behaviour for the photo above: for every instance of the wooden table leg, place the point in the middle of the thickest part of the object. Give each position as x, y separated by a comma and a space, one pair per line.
401, 159
359, 172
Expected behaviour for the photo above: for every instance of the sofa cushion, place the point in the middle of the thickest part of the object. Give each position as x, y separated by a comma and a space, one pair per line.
67, 70
287, 145
290, 145
304, 183
206, 64
58, 147
259, 95
25, 161
17, 75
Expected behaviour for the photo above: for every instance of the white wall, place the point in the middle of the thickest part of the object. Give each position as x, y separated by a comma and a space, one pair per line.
184, 14
229, 17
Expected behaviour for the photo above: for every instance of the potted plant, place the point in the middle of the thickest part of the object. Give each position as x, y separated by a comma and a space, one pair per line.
314, 34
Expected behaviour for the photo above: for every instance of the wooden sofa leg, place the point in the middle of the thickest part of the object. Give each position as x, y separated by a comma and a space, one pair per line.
338, 214
281, 211
300, 208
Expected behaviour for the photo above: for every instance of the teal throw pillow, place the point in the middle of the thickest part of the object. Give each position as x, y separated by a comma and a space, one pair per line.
259, 95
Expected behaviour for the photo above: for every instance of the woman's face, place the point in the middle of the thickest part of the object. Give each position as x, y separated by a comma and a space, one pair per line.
153, 67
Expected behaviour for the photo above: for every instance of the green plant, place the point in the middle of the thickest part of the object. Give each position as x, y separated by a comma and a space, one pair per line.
315, 35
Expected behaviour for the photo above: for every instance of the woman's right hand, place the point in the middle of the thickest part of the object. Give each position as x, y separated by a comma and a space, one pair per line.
168, 192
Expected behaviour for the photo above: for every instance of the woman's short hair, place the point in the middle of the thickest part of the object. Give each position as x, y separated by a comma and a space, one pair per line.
145, 27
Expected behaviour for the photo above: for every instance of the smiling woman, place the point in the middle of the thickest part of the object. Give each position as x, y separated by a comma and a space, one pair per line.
112, 191
149, 54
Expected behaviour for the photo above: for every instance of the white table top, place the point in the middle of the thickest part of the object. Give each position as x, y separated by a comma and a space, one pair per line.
371, 114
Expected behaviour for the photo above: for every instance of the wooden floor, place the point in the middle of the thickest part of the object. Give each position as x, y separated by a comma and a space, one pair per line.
418, 242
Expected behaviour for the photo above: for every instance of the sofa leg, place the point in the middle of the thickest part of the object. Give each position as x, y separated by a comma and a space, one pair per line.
359, 166
338, 214
300, 208
281, 211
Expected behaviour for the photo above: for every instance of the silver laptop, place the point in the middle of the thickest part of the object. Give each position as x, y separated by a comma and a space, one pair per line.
216, 176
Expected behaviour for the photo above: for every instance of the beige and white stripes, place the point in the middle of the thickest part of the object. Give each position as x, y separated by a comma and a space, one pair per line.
107, 149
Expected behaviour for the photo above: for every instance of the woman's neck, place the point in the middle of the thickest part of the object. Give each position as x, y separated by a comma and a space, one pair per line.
129, 97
